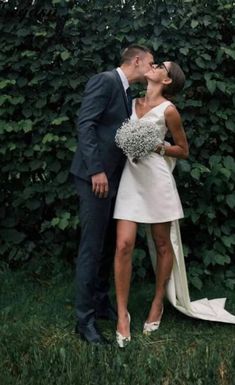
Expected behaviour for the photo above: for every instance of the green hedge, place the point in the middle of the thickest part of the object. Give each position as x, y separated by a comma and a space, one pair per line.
48, 51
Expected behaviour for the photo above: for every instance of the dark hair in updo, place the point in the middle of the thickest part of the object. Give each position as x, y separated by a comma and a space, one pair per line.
178, 79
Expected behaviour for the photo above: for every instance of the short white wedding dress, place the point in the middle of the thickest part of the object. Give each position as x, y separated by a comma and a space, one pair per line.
147, 194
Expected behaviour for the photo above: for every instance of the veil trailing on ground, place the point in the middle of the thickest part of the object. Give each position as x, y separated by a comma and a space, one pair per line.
177, 289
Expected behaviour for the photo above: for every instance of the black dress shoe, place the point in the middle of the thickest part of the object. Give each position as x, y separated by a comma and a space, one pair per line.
109, 313
90, 333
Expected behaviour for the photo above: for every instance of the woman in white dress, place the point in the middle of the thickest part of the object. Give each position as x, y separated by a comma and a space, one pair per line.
148, 194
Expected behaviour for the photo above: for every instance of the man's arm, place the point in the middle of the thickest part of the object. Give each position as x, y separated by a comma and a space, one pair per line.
95, 100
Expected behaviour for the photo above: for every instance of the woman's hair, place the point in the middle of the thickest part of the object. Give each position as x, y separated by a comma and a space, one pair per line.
178, 79
133, 50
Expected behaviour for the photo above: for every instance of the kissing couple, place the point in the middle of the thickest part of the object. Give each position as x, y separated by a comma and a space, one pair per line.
116, 191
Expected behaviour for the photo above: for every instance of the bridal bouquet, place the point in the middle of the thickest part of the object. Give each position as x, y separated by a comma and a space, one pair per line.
138, 138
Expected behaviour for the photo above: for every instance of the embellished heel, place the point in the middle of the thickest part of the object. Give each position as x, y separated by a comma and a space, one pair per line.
121, 340
150, 327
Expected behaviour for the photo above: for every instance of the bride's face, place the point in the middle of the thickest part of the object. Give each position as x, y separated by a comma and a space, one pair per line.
159, 72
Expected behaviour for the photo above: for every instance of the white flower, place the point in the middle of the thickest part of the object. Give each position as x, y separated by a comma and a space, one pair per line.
138, 138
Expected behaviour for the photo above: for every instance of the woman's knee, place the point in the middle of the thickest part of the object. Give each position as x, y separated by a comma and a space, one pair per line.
163, 244
124, 247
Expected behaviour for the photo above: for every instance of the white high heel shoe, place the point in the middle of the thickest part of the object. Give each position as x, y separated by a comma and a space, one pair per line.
121, 340
150, 327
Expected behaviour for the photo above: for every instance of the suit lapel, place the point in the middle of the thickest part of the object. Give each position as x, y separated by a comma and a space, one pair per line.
120, 85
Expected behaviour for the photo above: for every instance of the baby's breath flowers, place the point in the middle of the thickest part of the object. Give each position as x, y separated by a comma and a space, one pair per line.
138, 138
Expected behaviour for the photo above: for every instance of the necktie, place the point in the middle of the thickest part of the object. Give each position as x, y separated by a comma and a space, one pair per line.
129, 100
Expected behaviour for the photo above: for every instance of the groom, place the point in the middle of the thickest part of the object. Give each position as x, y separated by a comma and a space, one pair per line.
97, 167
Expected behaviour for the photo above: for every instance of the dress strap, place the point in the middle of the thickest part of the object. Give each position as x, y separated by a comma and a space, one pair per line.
163, 106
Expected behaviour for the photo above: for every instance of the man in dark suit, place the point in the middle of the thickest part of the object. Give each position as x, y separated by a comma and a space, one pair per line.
97, 167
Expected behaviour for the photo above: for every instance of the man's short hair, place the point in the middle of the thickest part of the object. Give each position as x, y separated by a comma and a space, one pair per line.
133, 50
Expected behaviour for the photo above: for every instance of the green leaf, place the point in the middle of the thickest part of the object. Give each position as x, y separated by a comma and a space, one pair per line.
230, 199
208, 258
207, 20
206, 56
64, 221
196, 282
184, 165
36, 164
63, 224
4, 98
41, 33
211, 85
17, 100
27, 125
50, 138
221, 259
41, 103
200, 62
71, 144
65, 55
195, 173
74, 83
230, 283
5, 83
62, 177
79, 9
194, 23
28, 54
229, 162
225, 172
215, 160
58, 121
184, 51
230, 125
221, 86
195, 216
228, 240
199, 141
229, 52
55, 221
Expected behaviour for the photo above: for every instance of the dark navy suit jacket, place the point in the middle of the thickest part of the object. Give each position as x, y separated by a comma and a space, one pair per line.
103, 110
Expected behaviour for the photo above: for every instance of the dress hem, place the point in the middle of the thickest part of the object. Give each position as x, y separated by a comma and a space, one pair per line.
150, 221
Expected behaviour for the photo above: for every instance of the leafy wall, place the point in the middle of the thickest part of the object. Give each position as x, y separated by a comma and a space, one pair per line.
48, 50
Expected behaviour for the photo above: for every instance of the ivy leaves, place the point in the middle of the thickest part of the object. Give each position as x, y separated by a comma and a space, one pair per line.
48, 51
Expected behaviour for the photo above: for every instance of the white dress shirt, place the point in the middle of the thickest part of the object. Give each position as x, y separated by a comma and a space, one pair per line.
123, 78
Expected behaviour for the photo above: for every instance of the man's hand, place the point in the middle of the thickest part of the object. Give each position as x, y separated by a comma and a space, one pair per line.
100, 185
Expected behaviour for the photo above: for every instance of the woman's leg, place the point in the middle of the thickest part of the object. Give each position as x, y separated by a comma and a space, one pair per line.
126, 234
165, 257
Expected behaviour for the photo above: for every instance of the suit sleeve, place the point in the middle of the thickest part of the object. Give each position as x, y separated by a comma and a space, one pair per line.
95, 100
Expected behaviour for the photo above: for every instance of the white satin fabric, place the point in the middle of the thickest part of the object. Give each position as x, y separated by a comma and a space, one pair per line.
148, 194
147, 191
177, 288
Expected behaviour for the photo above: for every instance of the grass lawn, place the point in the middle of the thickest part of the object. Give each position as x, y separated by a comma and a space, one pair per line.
38, 344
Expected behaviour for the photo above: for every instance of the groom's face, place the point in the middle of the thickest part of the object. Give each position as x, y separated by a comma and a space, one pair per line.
145, 64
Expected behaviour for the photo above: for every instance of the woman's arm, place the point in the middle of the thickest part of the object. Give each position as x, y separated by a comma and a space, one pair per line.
180, 148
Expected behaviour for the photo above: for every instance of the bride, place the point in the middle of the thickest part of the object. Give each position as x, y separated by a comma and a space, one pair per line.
148, 194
